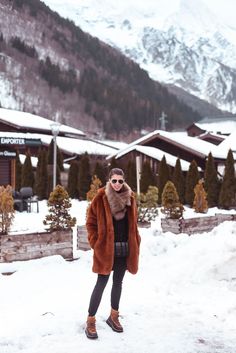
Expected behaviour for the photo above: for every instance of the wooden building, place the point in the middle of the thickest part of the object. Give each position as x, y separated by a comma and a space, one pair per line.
216, 127
25, 132
18, 132
8, 148
173, 145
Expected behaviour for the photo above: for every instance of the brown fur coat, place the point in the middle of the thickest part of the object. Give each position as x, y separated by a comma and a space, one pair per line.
101, 234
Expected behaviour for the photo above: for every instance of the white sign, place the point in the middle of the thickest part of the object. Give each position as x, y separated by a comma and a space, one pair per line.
12, 141
7, 154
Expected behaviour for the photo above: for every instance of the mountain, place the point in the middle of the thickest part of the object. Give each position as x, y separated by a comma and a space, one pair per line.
180, 42
50, 67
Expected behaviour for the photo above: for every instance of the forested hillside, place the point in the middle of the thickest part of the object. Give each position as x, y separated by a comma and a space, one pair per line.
52, 68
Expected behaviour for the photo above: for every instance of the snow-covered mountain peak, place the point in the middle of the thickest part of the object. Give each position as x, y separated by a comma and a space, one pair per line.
182, 42
192, 20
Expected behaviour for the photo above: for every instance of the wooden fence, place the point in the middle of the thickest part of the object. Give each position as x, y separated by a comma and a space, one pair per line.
196, 224
36, 245
82, 238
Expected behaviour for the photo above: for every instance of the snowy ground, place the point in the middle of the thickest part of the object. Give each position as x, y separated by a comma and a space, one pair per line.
183, 299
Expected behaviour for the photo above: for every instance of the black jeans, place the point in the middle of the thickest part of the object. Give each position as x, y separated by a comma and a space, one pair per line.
119, 269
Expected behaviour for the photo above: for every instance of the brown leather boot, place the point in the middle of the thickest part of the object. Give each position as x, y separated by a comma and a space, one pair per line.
90, 330
113, 321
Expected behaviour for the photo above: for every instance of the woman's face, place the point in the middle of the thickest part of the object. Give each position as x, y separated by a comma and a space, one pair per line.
116, 181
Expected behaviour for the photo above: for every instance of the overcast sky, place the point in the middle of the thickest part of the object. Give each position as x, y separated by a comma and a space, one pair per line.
226, 9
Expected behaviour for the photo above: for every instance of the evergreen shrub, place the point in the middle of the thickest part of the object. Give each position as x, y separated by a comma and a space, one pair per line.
227, 197
171, 206
95, 185
59, 204
147, 205
200, 203
6, 208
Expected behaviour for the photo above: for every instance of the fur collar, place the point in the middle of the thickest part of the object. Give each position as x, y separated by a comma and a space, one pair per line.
118, 201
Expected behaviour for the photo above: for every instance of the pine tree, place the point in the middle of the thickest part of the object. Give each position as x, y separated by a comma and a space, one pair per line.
200, 204
27, 172
171, 206
50, 152
163, 176
211, 182
147, 177
100, 171
179, 181
37, 173
59, 155
114, 164
228, 187
191, 181
59, 166
18, 172
60, 160
73, 179
84, 176
130, 175
41, 180
94, 186
59, 205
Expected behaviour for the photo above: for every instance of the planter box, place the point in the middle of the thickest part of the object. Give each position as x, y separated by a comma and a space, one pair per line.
194, 225
36, 245
145, 224
82, 238
171, 225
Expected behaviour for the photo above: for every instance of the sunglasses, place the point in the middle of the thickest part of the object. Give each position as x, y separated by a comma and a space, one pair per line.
120, 181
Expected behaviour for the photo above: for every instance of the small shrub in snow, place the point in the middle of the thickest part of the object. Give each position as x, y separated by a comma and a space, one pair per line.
171, 206
147, 205
59, 205
94, 186
200, 199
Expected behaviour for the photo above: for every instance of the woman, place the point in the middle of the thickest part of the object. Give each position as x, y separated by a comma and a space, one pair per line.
113, 235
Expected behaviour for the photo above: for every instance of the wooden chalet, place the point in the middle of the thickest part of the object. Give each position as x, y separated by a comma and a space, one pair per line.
214, 128
173, 145
215, 139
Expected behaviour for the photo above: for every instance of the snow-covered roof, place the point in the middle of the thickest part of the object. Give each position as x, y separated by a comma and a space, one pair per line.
157, 154
221, 127
67, 145
33, 122
208, 119
194, 144
116, 144
228, 143
214, 135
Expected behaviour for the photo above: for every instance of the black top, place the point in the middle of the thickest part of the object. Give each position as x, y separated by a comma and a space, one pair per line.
121, 228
